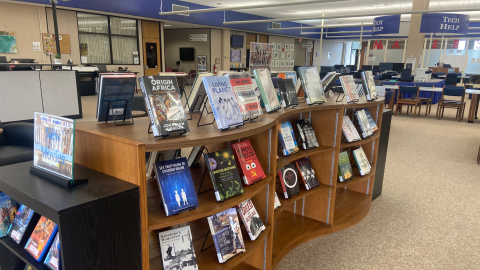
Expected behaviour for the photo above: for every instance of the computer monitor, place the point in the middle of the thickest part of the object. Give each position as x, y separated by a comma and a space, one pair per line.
376, 68
398, 67
338, 66
327, 68
451, 70
385, 66
352, 67
367, 67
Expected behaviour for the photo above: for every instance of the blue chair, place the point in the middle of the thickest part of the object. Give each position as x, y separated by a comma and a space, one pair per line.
411, 101
388, 98
378, 77
453, 91
452, 79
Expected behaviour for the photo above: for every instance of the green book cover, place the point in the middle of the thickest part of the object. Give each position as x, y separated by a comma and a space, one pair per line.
344, 167
224, 174
267, 91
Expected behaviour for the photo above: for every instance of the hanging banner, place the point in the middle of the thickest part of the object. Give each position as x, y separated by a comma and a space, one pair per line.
386, 25
444, 23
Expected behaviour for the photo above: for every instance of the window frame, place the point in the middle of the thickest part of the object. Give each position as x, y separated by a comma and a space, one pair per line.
109, 38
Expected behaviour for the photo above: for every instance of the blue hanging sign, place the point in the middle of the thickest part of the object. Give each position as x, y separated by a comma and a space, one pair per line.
444, 23
386, 25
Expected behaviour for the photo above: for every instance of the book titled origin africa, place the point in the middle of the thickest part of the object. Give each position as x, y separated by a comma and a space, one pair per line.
176, 186
224, 174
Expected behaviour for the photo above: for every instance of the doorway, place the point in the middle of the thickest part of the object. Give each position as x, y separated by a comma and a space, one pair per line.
151, 48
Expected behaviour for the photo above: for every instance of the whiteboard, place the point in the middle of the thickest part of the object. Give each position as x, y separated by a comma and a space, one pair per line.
460, 61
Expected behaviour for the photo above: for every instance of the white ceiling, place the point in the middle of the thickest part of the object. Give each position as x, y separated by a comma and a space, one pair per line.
337, 8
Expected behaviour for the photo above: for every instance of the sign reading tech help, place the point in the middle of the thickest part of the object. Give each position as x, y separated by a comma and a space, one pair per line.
444, 23
386, 25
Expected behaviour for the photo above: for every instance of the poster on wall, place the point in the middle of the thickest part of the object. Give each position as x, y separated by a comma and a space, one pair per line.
235, 55
197, 37
202, 62
261, 56
275, 55
329, 55
49, 45
8, 43
277, 63
292, 47
476, 45
282, 55
289, 55
292, 63
279, 46
287, 47
282, 63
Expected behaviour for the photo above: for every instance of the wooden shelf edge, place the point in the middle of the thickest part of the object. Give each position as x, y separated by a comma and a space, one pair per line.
285, 160
21, 253
357, 178
161, 221
353, 205
361, 142
245, 266
303, 193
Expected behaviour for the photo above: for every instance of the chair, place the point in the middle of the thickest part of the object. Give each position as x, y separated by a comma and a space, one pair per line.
452, 79
388, 99
413, 101
454, 91
323, 74
191, 75
435, 75
16, 143
138, 108
168, 69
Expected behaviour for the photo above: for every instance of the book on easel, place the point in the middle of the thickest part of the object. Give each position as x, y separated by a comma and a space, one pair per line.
349, 88
197, 94
312, 86
371, 122
369, 85
250, 169
307, 133
289, 180
307, 173
288, 93
349, 130
252, 221
176, 249
267, 90
246, 95
345, 172
287, 139
164, 104
362, 162
115, 96
363, 123
224, 174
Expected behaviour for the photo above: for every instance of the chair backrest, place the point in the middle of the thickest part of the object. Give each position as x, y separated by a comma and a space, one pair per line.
408, 89
406, 73
388, 95
175, 70
456, 91
434, 75
451, 78
168, 69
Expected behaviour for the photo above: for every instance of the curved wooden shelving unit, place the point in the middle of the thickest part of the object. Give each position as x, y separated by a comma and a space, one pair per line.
285, 160
375, 136
357, 178
350, 208
303, 193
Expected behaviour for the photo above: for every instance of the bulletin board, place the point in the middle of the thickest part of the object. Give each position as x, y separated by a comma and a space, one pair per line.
50, 47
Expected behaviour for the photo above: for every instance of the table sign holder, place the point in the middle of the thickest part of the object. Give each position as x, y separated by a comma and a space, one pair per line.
57, 179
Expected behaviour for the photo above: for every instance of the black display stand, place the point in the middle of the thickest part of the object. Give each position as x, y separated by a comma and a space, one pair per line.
124, 115
62, 181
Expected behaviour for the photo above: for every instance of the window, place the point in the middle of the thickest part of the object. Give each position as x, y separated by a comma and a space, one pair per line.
106, 39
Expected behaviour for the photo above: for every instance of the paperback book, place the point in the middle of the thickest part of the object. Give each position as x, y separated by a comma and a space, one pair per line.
369, 85
247, 97
312, 86
371, 122
287, 139
41, 238
349, 130
362, 161
52, 261
307, 173
349, 88
8, 210
223, 102
249, 166
164, 104
307, 133
54, 140
197, 94
267, 91
177, 250
224, 174
289, 180
252, 221
288, 93
20, 223
176, 186
115, 96
345, 172
363, 123
226, 234
277, 203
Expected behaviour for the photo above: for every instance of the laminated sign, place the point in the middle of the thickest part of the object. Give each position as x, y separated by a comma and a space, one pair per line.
444, 23
386, 25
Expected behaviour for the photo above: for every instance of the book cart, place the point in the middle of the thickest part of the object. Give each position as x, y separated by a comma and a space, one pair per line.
120, 152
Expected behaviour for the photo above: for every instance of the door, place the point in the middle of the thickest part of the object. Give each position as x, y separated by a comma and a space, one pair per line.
151, 48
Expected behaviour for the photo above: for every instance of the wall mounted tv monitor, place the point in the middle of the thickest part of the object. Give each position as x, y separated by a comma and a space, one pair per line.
385, 66
367, 67
398, 67
187, 54
236, 41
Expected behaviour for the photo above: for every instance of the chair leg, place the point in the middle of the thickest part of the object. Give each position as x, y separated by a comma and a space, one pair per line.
415, 112
419, 109
396, 109
443, 110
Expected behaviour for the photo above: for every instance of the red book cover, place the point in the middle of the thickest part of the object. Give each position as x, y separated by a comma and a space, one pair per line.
41, 237
250, 169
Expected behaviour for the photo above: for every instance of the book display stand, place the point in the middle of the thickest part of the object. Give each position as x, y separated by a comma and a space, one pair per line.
330, 207
110, 108
179, 132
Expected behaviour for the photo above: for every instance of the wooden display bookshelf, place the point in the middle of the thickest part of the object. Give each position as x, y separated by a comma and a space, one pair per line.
120, 151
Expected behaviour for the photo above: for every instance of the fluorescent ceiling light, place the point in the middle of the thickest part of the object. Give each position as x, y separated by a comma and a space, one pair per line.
167, 25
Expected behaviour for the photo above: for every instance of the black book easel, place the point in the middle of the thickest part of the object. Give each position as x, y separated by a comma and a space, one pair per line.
204, 108
57, 179
124, 114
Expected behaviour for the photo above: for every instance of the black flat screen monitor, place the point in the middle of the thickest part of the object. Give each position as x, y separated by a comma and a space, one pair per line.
367, 67
385, 66
187, 54
398, 67
376, 68
327, 68
236, 41
352, 67
338, 66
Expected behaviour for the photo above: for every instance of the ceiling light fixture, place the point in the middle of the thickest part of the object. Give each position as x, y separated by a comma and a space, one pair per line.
167, 25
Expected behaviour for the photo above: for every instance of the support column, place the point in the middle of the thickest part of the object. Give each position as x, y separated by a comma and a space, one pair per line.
225, 49
415, 38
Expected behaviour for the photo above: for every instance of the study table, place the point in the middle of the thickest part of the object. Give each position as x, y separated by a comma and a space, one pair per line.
426, 94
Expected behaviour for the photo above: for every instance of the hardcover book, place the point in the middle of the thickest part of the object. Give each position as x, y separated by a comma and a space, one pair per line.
249, 166
267, 91
362, 161
41, 238
223, 102
115, 96
164, 104
349, 88
177, 250
247, 97
226, 234
349, 130
312, 86
369, 85
307, 173
252, 221
345, 172
54, 144
371, 122
277, 202
52, 261
224, 174
8, 210
364, 124
176, 186
287, 139
307, 133
197, 94
20, 223
289, 180
288, 93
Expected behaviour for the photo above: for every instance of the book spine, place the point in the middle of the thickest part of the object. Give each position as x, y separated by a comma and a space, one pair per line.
283, 184
156, 133
212, 105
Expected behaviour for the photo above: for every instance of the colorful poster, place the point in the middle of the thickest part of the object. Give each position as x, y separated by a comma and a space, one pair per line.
8, 43
261, 56
202, 62
49, 45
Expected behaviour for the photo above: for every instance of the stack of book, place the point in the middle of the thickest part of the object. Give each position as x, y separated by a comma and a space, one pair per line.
349, 88
369, 85
312, 86
307, 133
364, 124
349, 130
362, 161
287, 139
267, 91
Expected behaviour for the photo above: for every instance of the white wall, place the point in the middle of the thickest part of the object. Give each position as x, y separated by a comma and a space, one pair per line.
336, 48
177, 38
283, 41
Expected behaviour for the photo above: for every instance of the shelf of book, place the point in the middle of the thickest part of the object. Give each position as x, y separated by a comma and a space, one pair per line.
303, 193
357, 178
21, 253
350, 208
284, 160
291, 229
375, 136
208, 259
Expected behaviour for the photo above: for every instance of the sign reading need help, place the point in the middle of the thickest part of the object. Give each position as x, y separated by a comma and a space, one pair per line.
386, 25
444, 23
